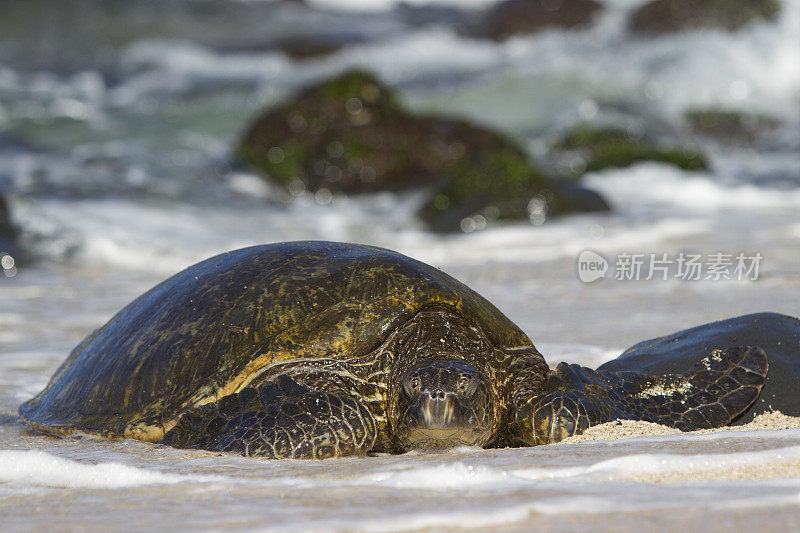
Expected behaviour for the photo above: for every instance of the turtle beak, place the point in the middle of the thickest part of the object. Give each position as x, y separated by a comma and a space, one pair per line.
437, 409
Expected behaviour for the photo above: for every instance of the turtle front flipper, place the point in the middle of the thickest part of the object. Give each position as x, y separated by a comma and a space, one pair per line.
278, 419
719, 387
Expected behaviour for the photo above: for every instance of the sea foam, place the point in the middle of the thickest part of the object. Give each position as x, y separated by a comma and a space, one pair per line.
47, 470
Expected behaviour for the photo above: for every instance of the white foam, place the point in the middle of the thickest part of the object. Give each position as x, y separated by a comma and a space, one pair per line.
521, 243
46, 470
757, 67
641, 465
656, 184
169, 66
440, 477
644, 464
425, 54
453, 520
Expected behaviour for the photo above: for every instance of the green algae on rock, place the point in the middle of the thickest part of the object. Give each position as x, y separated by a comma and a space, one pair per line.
502, 184
494, 184
665, 16
520, 17
350, 135
730, 126
604, 147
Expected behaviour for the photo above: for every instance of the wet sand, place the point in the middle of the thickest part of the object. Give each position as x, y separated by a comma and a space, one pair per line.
625, 429
704, 468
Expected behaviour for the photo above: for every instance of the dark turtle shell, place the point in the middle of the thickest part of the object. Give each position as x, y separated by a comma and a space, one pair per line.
200, 334
778, 335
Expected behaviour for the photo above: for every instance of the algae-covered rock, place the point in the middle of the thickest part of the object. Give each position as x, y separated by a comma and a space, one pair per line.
514, 17
487, 185
665, 16
730, 126
603, 147
350, 135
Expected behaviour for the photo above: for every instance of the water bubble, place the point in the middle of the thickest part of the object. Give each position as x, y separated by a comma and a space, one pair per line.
467, 224
333, 173
297, 187
537, 204
323, 196
353, 106
577, 165
537, 210
441, 202
297, 123
7, 262
492, 212
537, 219
275, 155
367, 174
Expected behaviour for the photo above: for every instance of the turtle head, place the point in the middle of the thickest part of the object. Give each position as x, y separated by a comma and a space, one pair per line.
442, 404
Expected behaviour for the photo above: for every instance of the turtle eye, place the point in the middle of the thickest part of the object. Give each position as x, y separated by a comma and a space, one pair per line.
413, 385
466, 384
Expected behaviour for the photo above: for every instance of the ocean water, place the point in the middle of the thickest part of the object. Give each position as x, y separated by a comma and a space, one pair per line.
114, 152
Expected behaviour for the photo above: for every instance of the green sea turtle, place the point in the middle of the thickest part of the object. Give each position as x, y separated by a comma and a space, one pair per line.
316, 349
677, 353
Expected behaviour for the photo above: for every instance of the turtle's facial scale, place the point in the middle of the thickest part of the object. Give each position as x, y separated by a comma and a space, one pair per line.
443, 404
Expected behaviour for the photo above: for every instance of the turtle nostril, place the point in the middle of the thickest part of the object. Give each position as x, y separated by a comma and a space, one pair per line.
438, 394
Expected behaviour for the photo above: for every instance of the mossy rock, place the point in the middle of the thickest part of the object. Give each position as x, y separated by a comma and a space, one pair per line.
520, 17
490, 185
666, 16
613, 147
501, 184
730, 126
350, 135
